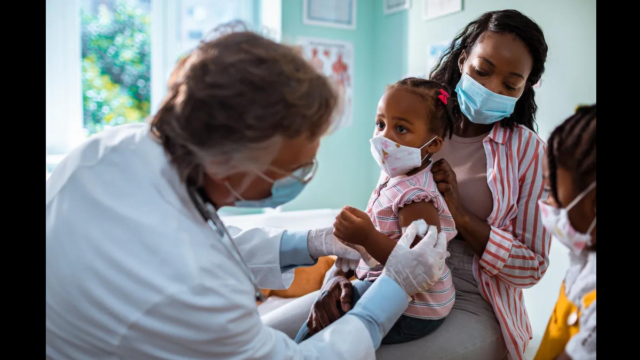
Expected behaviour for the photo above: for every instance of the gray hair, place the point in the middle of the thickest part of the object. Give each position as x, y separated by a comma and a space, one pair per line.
234, 99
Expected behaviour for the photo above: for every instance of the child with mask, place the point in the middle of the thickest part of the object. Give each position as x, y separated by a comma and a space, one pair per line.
570, 215
413, 117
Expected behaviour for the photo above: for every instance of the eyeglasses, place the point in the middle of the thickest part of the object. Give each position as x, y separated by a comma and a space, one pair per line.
304, 174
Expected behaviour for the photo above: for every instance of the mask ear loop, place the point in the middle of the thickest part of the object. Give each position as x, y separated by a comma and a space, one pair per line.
259, 173
581, 196
245, 183
232, 191
422, 147
593, 224
577, 200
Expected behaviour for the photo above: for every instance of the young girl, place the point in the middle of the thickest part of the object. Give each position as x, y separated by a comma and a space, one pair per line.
570, 215
412, 119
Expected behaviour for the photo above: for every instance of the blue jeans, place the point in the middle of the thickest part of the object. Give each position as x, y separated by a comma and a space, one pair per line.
405, 329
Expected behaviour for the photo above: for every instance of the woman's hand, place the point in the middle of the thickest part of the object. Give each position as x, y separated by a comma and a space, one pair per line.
447, 182
354, 226
336, 292
474, 230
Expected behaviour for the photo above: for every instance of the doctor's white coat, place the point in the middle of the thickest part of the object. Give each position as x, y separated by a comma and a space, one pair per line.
133, 272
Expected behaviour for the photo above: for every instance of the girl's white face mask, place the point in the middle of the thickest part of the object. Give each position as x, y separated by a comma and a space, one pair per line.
556, 221
395, 159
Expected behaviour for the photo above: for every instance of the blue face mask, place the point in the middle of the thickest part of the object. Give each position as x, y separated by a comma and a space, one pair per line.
282, 191
481, 105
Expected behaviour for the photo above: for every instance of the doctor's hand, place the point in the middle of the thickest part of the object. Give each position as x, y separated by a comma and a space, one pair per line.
419, 268
345, 264
322, 242
336, 292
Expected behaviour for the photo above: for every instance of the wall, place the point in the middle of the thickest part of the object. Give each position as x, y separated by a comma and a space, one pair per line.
390, 63
345, 162
570, 31
389, 47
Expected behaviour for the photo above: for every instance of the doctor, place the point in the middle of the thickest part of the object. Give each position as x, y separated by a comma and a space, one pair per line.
138, 264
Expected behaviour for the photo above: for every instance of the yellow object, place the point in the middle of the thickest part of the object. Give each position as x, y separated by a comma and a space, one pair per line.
306, 280
563, 325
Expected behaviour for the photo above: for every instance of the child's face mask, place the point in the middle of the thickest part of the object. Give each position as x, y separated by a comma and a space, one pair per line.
395, 159
556, 221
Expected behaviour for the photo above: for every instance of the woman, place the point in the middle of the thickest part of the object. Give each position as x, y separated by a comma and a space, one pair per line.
490, 174
140, 266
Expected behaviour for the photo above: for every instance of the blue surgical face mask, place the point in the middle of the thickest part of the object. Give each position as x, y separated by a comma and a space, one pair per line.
282, 190
480, 105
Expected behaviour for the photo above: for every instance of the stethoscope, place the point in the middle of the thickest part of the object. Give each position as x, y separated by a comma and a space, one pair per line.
210, 216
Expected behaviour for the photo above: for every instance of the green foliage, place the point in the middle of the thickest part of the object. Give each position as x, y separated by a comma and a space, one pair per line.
116, 66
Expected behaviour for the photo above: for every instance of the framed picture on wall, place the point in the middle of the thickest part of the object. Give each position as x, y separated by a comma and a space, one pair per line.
432, 9
331, 13
434, 53
391, 6
336, 60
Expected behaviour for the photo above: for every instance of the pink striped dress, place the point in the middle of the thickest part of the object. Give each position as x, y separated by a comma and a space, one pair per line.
384, 205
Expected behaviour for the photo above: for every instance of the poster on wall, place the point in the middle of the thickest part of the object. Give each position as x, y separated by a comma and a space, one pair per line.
331, 13
432, 9
392, 6
434, 52
335, 59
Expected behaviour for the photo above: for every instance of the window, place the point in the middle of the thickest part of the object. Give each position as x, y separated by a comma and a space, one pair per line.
116, 62
108, 60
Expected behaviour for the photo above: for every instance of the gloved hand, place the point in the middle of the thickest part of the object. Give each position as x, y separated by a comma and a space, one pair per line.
417, 269
322, 242
346, 265
368, 259
355, 227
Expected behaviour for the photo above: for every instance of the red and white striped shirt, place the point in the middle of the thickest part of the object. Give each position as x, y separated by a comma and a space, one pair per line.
517, 254
384, 206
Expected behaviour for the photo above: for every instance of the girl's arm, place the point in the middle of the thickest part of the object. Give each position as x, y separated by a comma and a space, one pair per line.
416, 211
355, 226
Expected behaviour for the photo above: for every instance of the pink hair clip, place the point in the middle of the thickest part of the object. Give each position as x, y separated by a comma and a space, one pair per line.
443, 96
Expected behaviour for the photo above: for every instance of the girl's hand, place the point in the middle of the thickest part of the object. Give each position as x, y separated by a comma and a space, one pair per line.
445, 177
354, 226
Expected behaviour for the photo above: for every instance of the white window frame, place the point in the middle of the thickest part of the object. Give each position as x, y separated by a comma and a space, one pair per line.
64, 115
63, 77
